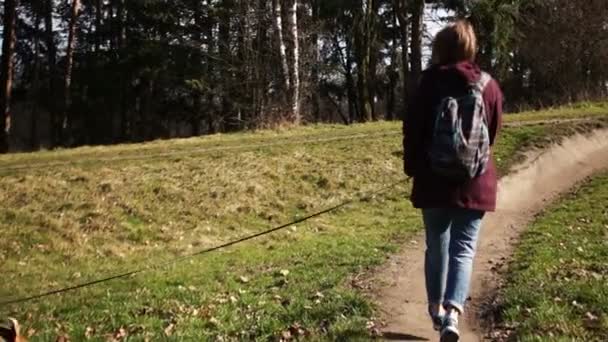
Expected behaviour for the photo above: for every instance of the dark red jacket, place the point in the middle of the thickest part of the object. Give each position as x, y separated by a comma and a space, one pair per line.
431, 191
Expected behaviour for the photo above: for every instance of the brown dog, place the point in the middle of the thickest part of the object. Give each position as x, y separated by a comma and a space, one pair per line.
10, 331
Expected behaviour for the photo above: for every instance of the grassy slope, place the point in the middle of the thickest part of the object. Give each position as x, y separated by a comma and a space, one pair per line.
558, 288
247, 141
74, 222
587, 109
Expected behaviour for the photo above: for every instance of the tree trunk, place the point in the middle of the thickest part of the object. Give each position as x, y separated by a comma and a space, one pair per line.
392, 73
196, 56
67, 96
210, 71
121, 14
344, 118
278, 26
400, 8
98, 15
34, 141
353, 107
51, 51
417, 28
373, 55
260, 64
348, 62
363, 47
119, 34
227, 58
295, 65
6, 72
316, 61
244, 49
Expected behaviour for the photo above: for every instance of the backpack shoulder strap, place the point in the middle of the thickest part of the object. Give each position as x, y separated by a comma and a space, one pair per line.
483, 82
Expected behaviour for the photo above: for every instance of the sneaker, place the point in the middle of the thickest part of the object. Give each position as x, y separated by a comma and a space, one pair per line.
437, 320
449, 329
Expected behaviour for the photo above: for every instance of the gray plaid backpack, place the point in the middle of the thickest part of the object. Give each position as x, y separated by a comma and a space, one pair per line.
460, 147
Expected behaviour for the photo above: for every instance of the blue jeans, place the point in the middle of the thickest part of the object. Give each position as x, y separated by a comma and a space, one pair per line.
451, 240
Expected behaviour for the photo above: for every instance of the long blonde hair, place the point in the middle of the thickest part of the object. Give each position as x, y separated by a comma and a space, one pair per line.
455, 43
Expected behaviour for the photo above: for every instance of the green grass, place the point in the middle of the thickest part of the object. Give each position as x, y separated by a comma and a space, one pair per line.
222, 143
573, 111
557, 288
94, 214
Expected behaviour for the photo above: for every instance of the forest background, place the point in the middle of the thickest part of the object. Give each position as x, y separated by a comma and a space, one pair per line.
89, 72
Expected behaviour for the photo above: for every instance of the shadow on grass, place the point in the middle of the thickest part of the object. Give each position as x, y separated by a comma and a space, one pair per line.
357, 335
393, 336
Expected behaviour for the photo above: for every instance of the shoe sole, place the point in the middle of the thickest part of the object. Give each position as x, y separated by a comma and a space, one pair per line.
450, 336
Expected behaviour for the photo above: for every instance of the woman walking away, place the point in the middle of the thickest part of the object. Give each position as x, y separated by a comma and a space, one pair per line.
449, 131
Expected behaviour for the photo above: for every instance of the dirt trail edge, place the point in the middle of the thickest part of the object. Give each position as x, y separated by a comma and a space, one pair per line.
531, 186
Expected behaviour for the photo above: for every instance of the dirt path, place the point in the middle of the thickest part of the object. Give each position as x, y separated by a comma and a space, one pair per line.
522, 195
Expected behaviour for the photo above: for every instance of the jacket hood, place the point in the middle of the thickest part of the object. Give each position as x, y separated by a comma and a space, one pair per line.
467, 71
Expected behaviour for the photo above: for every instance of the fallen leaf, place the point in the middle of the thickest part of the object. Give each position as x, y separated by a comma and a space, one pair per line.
286, 336
89, 332
596, 276
121, 333
372, 328
592, 321
297, 330
577, 305
591, 317
170, 329
62, 338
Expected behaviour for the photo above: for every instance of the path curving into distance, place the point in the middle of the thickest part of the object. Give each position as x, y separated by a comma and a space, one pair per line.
531, 186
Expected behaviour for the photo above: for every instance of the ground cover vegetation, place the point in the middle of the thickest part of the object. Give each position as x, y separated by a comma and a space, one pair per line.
73, 222
556, 287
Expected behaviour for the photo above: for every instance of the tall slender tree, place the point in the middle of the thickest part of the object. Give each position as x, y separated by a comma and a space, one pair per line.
98, 27
364, 45
278, 27
51, 60
315, 76
416, 44
224, 41
35, 89
294, 90
7, 71
400, 7
69, 65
